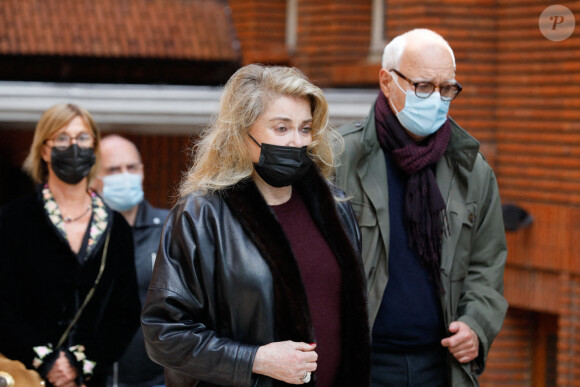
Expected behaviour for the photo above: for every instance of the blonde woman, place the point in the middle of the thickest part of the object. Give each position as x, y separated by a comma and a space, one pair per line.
258, 280
53, 245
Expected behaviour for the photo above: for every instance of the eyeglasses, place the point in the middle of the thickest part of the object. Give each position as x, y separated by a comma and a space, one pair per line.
63, 140
448, 91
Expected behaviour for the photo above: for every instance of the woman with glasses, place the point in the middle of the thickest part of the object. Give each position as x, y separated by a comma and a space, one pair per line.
68, 294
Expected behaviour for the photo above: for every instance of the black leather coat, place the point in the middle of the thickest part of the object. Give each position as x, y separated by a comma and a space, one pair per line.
226, 282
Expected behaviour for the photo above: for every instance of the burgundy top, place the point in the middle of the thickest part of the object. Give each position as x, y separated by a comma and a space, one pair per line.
321, 277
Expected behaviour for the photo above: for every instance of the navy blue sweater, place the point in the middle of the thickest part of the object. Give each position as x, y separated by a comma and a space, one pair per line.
410, 314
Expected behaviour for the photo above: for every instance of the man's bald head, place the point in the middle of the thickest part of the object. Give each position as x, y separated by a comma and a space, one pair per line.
118, 155
416, 40
114, 144
420, 56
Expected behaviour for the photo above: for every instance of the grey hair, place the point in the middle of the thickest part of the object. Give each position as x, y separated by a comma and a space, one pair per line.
395, 48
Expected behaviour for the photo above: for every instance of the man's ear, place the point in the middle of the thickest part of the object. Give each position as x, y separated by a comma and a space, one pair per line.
384, 79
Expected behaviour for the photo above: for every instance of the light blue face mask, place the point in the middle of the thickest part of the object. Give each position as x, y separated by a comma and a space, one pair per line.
422, 116
122, 191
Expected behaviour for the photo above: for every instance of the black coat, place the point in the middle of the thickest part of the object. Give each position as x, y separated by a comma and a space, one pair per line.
42, 285
135, 368
226, 282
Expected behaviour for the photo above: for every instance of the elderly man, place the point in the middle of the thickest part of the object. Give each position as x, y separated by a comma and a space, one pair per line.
120, 183
432, 231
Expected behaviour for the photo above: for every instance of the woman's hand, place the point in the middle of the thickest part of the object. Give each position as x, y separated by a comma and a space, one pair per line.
62, 373
287, 361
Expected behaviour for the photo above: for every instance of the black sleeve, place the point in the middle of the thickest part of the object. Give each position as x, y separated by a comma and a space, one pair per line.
120, 297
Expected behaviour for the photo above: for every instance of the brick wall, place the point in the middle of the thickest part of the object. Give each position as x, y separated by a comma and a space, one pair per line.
330, 34
510, 357
538, 101
537, 164
568, 372
260, 28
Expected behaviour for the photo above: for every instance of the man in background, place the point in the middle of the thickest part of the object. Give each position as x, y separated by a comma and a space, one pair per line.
120, 183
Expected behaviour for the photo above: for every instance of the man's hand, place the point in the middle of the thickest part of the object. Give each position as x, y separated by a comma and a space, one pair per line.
463, 343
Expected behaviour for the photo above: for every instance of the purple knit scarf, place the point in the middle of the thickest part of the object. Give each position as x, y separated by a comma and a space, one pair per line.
425, 215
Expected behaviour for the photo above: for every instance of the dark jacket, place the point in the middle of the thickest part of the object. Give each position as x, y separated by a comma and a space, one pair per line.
135, 368
473, 254
42, 285
226, 282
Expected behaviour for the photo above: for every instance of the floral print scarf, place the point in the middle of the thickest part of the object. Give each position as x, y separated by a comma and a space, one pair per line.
99, 219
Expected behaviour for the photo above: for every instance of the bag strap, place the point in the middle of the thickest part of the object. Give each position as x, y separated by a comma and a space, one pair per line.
89, 294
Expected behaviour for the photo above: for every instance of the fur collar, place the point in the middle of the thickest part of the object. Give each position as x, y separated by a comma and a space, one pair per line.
292, 315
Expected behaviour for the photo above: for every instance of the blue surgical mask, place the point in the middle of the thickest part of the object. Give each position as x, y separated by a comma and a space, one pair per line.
122, 191
422, 116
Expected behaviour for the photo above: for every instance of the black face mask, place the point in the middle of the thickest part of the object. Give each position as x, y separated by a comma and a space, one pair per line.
281, 166
72, 164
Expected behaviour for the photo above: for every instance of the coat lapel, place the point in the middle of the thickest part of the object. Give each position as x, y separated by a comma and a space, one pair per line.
256, 217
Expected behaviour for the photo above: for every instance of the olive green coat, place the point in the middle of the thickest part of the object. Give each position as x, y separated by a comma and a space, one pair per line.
473, 255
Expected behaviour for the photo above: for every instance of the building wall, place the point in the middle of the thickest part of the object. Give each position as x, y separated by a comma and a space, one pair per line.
260, 27
537, 164
330, 34
510, 358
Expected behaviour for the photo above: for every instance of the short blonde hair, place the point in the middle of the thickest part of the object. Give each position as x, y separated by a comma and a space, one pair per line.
51, 121
221, 155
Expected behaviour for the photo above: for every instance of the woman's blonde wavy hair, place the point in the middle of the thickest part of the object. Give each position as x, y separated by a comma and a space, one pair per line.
51, 121
221, 155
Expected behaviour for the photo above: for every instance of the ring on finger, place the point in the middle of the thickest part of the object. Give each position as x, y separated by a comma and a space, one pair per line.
306, 378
